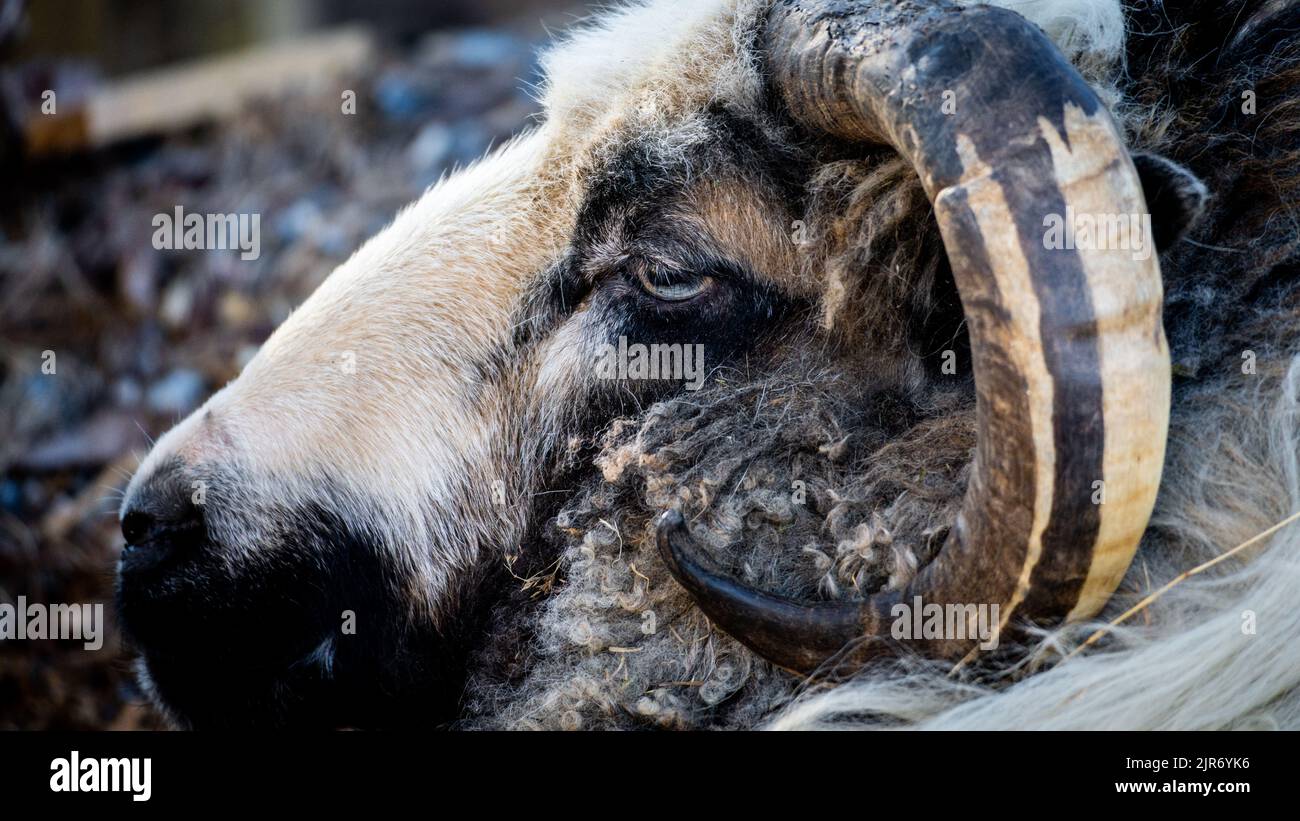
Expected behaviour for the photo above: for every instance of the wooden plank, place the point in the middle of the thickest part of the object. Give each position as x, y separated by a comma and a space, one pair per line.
182, 96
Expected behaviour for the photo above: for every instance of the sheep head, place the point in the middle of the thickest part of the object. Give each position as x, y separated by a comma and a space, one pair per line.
396, 446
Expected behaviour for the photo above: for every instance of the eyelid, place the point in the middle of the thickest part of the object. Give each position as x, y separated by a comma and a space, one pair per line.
671, 285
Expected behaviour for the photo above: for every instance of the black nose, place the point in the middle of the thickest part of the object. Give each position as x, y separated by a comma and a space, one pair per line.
162, 515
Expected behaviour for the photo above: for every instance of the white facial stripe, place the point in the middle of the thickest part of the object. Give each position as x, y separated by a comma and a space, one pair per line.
372, 391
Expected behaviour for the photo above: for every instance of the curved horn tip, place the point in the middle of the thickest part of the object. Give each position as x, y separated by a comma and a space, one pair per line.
795, 636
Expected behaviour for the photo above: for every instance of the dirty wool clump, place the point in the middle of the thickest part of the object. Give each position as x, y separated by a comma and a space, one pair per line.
797, 486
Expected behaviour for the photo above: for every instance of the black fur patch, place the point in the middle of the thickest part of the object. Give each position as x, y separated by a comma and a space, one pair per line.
263, 645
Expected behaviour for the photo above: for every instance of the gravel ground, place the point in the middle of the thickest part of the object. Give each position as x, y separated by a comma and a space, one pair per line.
137, 337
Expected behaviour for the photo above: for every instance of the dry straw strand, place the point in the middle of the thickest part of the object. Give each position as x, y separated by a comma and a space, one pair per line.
1179, 579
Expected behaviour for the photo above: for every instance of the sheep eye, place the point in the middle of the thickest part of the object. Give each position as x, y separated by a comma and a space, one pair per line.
672, 286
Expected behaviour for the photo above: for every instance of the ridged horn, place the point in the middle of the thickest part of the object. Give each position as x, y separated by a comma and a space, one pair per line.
1071, 366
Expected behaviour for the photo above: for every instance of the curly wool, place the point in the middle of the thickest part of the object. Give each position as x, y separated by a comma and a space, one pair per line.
884, 465
1217, 651
785, 487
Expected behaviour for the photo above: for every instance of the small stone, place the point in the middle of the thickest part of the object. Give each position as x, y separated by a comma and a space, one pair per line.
298, 219
137, 279
431, 148
127, 393
236, 310
177, 304
177, 393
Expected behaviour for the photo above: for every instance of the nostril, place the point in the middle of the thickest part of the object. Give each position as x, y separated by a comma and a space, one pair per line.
161, 516
161, 524
138, 526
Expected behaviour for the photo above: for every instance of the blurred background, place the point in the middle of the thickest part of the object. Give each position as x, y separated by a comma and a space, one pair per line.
114, 111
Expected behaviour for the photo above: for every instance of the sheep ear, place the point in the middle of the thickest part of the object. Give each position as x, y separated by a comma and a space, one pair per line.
1175, 196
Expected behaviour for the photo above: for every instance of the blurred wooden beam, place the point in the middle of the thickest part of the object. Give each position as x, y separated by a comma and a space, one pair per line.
185, 95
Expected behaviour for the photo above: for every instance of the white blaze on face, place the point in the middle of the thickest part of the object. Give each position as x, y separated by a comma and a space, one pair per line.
373, 384
370, 399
